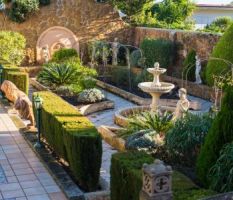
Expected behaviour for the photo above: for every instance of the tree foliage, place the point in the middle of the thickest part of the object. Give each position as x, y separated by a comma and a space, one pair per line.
219, 135
220, 25
174, 13
12, 46
223, 51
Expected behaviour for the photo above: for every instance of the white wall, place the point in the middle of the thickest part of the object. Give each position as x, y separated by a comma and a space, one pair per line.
205, 16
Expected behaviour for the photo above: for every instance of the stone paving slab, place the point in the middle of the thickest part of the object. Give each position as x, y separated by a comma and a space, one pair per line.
22, 174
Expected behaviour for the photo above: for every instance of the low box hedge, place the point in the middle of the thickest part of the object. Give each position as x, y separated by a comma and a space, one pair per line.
126, 179
20, 79
73, 137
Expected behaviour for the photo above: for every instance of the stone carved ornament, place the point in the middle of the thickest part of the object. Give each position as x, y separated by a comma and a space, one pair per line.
21, 101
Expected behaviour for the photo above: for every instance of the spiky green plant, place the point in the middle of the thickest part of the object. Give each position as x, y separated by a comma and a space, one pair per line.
161, 123
56, 75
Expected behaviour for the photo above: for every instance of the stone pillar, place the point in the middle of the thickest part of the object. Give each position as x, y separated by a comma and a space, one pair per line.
157, 182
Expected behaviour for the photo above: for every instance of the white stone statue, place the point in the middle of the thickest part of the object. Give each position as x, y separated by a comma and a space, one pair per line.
45, 52
182, 106
115, 49
198, 70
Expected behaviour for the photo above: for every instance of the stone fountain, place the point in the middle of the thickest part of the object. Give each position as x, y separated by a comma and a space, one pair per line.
156, 88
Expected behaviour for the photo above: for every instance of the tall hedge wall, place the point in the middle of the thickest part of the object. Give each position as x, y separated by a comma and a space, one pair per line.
20, 79
73, 137
126, 179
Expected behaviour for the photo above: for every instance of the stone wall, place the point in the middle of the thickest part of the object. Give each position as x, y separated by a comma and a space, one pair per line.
87, 19
202, 43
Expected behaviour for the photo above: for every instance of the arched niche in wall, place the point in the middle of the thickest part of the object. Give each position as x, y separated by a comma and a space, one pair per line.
53, 39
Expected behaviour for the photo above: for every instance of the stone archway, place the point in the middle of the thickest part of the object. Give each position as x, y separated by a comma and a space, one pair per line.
52, 40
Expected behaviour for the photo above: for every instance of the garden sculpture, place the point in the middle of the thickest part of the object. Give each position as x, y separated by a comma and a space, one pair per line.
45, 52
182, 106
21, 101
115, 49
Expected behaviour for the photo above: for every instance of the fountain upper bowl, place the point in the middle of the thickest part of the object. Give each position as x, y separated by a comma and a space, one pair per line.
149, 87
156, 70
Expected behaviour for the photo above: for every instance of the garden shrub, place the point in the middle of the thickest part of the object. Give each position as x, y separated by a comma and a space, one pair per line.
126, 178
12, 45
91, 96
136, 59
21, 9
221, 174
73, 137
223, 50
67, 73
20, 79
158, 50
184, 140
219, 25
189, 66
120, 76
221, 132
64, 54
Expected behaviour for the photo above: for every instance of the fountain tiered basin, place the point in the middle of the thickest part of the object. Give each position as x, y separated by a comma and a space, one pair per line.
155, 89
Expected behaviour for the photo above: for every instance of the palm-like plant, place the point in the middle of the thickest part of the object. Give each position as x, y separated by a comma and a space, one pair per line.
161, 123
56, 75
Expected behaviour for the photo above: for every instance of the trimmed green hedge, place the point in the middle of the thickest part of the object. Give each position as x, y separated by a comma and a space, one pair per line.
20, 79
158, 50
126, 179
73, 137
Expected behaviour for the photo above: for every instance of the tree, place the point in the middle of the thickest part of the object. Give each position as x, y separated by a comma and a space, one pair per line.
131, 8
174, 12
223, 50
219, 135
12, 46
219, 25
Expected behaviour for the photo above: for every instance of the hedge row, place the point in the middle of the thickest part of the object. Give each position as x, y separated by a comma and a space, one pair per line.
73, 137
126, 179
20, 79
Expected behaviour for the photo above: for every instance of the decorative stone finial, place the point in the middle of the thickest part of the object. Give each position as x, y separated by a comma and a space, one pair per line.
156, 182
156, 65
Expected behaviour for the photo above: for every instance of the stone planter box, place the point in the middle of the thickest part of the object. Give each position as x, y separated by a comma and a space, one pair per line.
109, 135
84, 109
194, 105
96, 107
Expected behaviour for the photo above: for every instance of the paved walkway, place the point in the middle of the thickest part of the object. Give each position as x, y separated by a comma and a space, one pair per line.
22, 175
